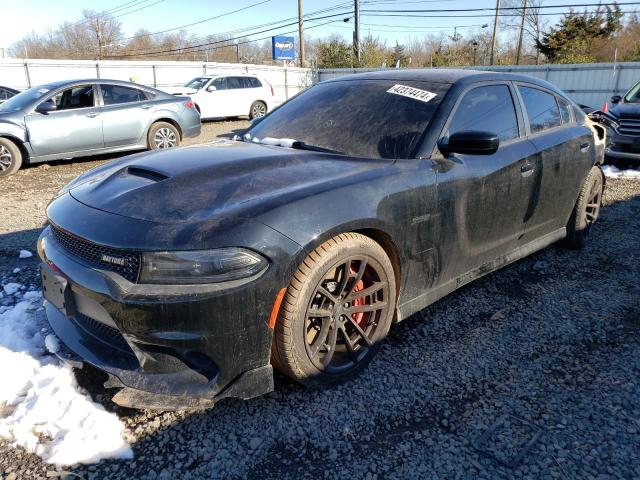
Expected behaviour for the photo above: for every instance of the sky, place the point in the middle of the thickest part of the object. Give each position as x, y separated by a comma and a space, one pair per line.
18, 18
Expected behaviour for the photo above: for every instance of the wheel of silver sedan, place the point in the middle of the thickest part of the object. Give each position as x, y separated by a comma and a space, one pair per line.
5, 158
258, 109
10, 157
336, 311
165, 138
163, 135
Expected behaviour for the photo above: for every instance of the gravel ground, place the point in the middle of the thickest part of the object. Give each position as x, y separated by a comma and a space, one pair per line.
547, 349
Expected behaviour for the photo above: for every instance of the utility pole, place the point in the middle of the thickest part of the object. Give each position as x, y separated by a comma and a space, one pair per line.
356, 32
301, 32
495, 31
524, 15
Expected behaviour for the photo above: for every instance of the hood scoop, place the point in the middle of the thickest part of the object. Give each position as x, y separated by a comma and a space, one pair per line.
147, 173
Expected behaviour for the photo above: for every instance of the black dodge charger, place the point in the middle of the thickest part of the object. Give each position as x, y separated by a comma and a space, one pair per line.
187, 274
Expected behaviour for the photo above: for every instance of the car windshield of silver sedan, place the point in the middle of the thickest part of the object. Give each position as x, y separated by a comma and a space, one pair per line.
197, 83
364, 118
24, 99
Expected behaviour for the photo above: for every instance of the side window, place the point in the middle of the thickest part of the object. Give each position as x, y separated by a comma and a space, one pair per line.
487, 108
115, 94
220, 83
235, 82
75, 97
542, 109
252, 82
564, 110
4, 95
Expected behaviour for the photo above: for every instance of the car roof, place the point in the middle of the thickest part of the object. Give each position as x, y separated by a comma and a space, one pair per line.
445, 75
63, 83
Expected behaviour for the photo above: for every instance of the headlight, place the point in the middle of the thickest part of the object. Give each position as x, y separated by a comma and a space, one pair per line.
200, 266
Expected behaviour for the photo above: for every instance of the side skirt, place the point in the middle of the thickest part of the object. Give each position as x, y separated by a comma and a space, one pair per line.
412, 306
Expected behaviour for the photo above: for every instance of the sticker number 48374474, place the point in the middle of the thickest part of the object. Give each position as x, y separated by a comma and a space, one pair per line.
410, 92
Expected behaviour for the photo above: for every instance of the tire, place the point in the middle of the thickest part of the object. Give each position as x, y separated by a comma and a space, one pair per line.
322, 308
258, 109
10, 157
586, 211
163, 135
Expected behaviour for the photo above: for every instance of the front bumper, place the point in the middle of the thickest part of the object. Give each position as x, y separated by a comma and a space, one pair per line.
163, 348
623, 146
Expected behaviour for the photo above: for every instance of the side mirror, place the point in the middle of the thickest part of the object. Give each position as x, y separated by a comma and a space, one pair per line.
471, 142
211, 88
616, 99
46, 107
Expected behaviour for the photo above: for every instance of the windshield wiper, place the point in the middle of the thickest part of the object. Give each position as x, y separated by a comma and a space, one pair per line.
314, 148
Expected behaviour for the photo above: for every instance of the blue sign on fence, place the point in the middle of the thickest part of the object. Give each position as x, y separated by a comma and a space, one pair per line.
283, 48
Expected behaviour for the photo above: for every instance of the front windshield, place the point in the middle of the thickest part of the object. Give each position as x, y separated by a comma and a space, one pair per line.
24, 99
197, 83
634, 94
362, 118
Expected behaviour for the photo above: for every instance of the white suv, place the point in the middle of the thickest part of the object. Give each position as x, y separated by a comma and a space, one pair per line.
219, 96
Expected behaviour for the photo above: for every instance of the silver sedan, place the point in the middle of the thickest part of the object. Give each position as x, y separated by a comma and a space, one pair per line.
64, 120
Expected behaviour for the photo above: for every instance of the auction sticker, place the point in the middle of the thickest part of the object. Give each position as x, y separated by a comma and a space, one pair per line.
410, 92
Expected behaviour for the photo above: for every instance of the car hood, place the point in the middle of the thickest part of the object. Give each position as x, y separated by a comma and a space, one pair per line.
181, 91
625, 110
221, 181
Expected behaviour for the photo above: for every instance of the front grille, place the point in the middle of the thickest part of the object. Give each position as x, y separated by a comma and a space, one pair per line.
95, 254
626, 147
102, 332
629, 126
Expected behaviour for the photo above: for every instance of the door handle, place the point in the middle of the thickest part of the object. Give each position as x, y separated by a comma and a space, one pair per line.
526, 169
146, 107
584, 146
93, 114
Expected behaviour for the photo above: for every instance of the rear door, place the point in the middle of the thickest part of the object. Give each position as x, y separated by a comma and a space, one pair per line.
480, 195
240, 97
126, 112
75, 126
565, 155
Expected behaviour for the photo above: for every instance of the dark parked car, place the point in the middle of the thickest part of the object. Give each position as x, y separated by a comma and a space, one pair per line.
6, 93
70, 119
187, 274
624, 139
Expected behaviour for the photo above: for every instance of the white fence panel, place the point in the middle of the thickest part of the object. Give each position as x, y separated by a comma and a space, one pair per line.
589, 84
22, 74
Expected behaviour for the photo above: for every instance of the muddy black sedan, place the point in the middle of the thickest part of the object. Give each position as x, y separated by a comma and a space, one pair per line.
188, 274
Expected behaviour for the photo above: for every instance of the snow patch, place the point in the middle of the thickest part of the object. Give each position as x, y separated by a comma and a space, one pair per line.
11, 288
45, 411
25, 254
17, 270
614, 172
278, 142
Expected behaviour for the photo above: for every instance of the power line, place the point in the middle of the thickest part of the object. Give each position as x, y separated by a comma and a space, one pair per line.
198, 22
460, 10
405, 15
247, 29
208, 44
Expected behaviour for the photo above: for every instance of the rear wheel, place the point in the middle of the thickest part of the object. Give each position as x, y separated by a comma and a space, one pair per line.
586, 211
258, 109
337, 309
10, 157
163, 135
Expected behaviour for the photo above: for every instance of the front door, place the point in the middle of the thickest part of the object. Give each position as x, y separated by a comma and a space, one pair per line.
75, 126
479, 196
216, 102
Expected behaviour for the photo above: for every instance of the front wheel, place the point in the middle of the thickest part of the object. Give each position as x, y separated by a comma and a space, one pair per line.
586, 211
10, 157
163, 135
336, 311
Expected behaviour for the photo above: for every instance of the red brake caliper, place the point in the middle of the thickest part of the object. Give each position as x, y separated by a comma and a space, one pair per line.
358, 317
